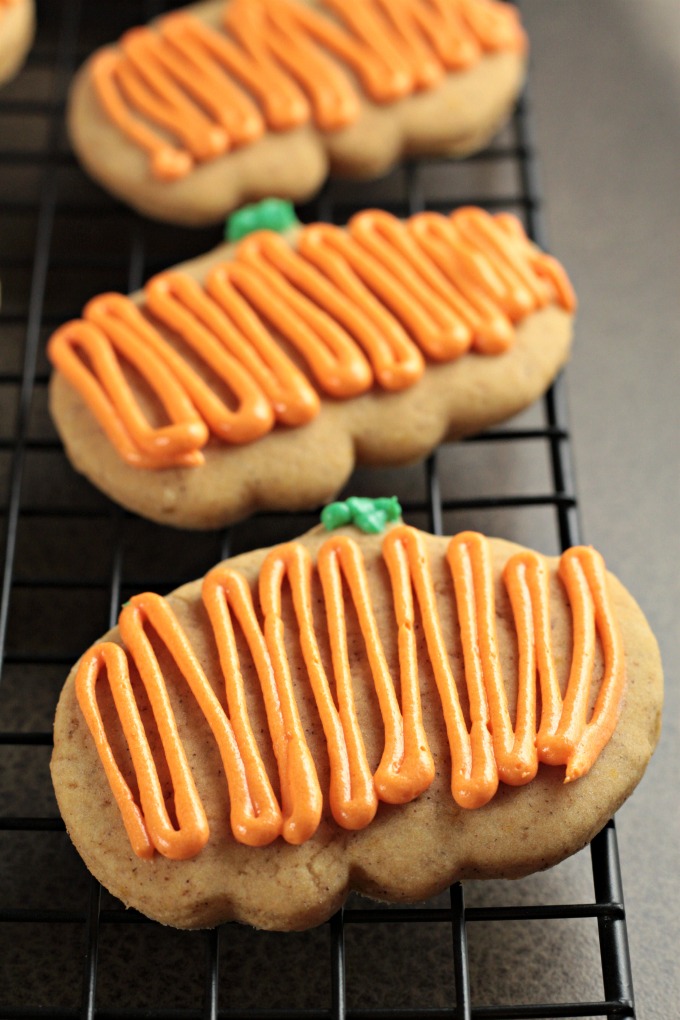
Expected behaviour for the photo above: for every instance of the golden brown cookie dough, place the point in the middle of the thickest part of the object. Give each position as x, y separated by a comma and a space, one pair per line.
17, 27
296, 468
407, 852
455, 118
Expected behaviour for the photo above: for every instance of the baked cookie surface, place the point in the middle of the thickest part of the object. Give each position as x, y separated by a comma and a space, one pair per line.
225, 103
369, 344
425, 831
17, 27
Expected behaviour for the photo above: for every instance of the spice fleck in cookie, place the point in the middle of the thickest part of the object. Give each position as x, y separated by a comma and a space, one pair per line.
17, 27
224, 103
379, 711
258, 375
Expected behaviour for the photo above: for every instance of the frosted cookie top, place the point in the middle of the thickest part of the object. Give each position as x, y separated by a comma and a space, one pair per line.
186, 92
380, 711
490, 741
286, 321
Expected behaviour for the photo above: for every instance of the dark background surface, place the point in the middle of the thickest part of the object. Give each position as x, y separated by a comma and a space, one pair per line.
606, 94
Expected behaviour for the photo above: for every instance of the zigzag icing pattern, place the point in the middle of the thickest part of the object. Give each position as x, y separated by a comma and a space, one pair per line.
361, 307
490, 751
186, 93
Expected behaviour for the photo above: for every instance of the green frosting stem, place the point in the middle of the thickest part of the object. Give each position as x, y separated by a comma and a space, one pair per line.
269, 214
369, 515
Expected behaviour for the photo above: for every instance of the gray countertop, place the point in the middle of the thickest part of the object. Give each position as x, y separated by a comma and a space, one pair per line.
606, 100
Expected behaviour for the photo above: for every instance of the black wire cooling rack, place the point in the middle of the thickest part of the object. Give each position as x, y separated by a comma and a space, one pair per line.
71, 558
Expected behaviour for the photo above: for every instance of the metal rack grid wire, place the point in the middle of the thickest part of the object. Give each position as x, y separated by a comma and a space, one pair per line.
67, 949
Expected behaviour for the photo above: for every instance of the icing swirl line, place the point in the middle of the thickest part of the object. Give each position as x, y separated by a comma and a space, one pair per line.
349, 308
491, 748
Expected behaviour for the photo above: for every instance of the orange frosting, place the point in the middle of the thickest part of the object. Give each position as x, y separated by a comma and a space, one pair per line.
185, 92
491, 748
359, 307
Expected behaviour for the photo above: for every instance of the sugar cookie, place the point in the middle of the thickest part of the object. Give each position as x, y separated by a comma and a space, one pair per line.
385, 712
17, 27
224, 103
258, 375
